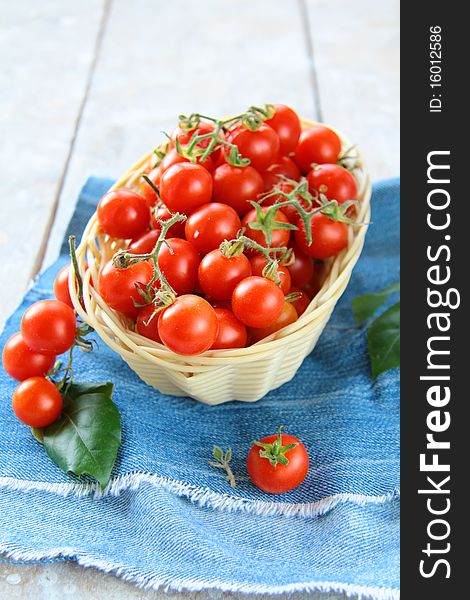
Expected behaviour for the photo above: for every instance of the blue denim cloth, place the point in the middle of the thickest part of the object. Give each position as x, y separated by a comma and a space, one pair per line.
168, 518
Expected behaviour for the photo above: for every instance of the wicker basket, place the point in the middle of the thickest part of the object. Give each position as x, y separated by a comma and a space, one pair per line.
245, 374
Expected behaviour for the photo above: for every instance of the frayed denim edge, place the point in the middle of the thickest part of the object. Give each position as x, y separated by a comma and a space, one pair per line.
155, 581
200, 496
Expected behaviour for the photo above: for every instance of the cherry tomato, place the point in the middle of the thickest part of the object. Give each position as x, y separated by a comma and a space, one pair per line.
123, 214
288, 315
61, 286
301, 270
257, 301
328, 237
118, 289
163, 214
314, 285
219, 275
280, 237
146, 191
20, 362
147, 323
290, 211
286, 124
186, 135
180, 268
185, 187
145, 243
258, 262
279, 478
261, 146
317, 145
302, 301
236, 185
232, 333
48, 326
334, 181
211, 224
286, 167
37, 402
173, 158
189, 326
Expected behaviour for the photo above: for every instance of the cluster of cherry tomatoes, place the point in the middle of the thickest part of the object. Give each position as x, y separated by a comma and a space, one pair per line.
223, 232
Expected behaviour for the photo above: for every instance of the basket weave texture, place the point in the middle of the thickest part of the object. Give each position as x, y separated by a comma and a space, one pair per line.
218, 376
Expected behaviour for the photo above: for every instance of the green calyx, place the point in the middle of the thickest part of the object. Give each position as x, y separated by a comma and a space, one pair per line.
275, 452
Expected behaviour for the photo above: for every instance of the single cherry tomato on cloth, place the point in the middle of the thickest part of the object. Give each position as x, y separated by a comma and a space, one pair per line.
258, 263
173, 158
49, 326
208, 226
236, 185
334, 181
302, 301
123, 214
163, 214
147, 323
280, 237
118, 288
185, 187
61, 286
317, 145
189, 326
145, 243
301, 270
146, 191
286, 124
219, 275
20, 362
286, 167
257, 301
179, 265
288, 315
261, 146
232, 333
37, 402
328, 237
277, 463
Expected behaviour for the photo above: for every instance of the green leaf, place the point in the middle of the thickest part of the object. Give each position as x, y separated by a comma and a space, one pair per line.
217, 453
383, 339
228, 455
86, 438
365, 306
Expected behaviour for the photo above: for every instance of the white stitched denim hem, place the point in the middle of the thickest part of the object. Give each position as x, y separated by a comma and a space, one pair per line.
156, 581
200, 496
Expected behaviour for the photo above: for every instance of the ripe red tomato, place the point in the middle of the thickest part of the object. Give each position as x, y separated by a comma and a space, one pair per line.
173, 158
185, 187
258, 262
186, 135
118, 289
163, 214
317, 145
146, 191
189, 326
145, 243
328, 237
284, 166
334, 181
180, 268
232, 333
257, 301
218, 275
147, 323
302, 301
286, 124
48, 326
123, 214
301, 270
280, 237
20, 362
288, 315
236, 185
261, 146
37, 402
211, 224
278, 478
61, 286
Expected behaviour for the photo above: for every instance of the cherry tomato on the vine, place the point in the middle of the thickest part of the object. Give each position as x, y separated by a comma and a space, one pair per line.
328, 237
261, 146
236, 185
232, 332
118, 286
49, 326
286, 167
257, 301
146, 190
334, 181
286, 124
317, 145
147, 323
211, 224
258, 263
37, 402
173, 158
219, 275
179, 265
123, 214
145, 243
163, 214
61, 286
280, 237
185, 187
186, 135
288, 315
20, 362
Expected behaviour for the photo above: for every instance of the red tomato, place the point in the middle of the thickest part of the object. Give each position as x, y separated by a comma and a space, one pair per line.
146, 191
258, 262
278, 478
317, 145
185, 187
232, 333
218, 275
290, 211
288, 315
37, 402
163, 214
118, 289
48, 326
185, 135
147, 323
236, 185
257, 301
145, 243
61, 286
334, 181
173, 158
261, 146
208, 226
280, 237
20, 362
180, 268
328, 237
189, 326
286, 124
284, 166
123, 214
302, 301
301, 270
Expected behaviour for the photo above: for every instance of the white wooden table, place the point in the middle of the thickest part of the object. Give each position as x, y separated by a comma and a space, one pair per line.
87, 87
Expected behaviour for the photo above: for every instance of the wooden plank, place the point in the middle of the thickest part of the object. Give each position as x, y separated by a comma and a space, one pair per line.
46, 48
356, 57
184, 57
